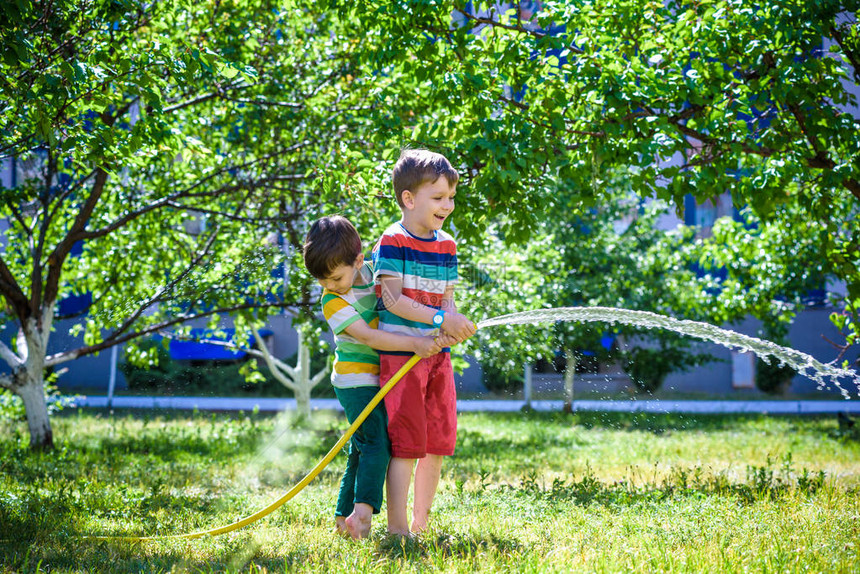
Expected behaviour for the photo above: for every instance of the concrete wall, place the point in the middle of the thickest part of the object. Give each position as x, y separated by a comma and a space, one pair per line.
94, 371
805, 335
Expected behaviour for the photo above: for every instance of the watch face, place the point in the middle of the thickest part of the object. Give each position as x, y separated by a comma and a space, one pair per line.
437, 319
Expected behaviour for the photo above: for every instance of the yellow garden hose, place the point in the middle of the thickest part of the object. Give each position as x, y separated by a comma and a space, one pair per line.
298, 487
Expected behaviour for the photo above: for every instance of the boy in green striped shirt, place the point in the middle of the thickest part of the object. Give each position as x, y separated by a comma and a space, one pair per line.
332, 255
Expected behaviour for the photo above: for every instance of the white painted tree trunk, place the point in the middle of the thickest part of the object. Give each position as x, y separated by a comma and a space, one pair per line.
569, 376
298, 379
26, 380
527, 385
32, 393
303, 381
303, 403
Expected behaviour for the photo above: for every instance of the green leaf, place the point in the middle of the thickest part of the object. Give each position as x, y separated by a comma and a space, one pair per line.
228, 71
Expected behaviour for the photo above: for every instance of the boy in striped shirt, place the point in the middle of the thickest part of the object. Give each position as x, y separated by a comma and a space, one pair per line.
415, 268
332, 255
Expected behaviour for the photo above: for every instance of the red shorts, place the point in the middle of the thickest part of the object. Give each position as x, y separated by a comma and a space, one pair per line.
422, 407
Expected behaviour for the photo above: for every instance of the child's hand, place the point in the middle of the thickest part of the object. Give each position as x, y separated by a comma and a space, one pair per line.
426, 347
446, 340
458, 326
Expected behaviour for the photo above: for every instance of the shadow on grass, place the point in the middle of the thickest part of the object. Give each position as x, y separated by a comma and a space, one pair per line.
57, 544
62, 551
122, 556
442, 546
525, 433
172, 435
770, 481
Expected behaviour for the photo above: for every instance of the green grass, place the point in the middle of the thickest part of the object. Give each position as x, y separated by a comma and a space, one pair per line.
524, 493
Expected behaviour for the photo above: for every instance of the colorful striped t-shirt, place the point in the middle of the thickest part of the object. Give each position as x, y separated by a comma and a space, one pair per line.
355, 364
427, 267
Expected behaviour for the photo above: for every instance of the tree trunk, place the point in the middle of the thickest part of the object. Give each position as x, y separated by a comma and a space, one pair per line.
569, 375
303, 403
303, 385
296, 379
32, 392
28, 378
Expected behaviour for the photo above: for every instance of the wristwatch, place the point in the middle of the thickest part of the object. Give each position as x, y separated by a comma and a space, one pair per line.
438, 318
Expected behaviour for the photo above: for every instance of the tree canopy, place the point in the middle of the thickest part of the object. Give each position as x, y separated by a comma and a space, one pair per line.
167, 157
171, 153
695, 98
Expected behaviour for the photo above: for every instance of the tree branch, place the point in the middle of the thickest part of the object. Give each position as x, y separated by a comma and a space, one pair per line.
66, 356
75, 233
479, 20
319, 377
821, 159
273, 363
58, 202
8, 355
38, 249
195, 101
13, 293
702, 158
187, 192
163, 202
231, 217
15, 144
292, 105
221, 93
849, 54
19, 217
853, 186
179, 278
841, 348
526, 107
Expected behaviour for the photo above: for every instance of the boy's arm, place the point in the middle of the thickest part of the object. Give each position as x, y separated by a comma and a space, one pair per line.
385, 341
401, 305
448, 300
457, 330
396, 302
343, 318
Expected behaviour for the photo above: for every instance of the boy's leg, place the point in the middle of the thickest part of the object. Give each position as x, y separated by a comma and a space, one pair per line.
440, 403
371, 442
407, 429
397, 489
361, 452
427, 475
346, 495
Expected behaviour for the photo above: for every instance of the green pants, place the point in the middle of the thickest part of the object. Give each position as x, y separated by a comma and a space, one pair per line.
369, 452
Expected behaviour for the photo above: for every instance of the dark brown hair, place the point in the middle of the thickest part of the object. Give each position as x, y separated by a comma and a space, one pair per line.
418, 166
331, 241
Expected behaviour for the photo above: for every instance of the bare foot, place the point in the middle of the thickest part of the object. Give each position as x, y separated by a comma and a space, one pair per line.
418, 526
358, 523
340, 526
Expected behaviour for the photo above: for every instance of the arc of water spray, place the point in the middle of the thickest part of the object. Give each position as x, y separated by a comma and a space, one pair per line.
823, 374
801, 362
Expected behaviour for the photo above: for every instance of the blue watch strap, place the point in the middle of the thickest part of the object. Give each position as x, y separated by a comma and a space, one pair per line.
438, 318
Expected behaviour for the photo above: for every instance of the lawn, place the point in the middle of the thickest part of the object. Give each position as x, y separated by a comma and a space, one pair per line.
530, 492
